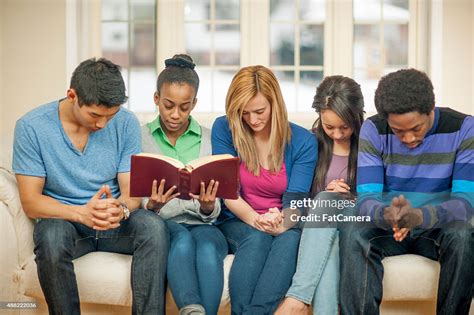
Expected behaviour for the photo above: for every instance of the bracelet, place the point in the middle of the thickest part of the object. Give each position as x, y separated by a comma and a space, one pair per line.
126, 211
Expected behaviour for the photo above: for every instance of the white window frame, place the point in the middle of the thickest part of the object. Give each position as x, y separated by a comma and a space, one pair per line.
418, 52
85, 19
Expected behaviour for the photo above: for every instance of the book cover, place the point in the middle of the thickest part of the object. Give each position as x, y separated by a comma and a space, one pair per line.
147, 167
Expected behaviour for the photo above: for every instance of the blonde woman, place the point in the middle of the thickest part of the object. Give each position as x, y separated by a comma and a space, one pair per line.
277, 164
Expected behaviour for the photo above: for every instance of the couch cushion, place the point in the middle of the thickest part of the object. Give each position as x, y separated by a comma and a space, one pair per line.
102, 278
410, 277
8, 257
9, 191
22, 224
225, 299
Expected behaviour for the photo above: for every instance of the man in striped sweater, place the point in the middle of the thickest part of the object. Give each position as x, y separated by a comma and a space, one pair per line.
422, 158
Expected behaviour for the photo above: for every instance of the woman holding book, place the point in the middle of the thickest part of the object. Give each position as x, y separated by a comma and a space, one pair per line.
197, 248
340, 107
277, 165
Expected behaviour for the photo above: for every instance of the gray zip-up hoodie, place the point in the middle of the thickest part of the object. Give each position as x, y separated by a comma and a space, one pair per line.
178, 210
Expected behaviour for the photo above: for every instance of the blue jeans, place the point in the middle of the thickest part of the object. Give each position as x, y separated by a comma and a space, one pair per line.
316, 280
362, 251
262, 269
196, 265
58, 242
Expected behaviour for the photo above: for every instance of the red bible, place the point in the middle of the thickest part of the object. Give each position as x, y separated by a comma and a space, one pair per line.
147, 167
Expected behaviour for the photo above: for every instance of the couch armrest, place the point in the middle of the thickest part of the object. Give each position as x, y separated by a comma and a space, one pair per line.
22, 225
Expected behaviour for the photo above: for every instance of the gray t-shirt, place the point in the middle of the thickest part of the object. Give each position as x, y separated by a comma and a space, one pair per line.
42, 148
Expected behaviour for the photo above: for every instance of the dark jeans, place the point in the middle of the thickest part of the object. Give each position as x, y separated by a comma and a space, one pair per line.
196, 265
58, 242
262, 269
362, 251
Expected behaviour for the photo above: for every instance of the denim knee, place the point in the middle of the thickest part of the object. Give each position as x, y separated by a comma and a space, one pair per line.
353, 240
183, 244
459, 238
208, 254
292, 235
258, 239
150, 228
54, 240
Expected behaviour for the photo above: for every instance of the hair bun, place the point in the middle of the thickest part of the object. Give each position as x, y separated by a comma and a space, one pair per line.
179, 62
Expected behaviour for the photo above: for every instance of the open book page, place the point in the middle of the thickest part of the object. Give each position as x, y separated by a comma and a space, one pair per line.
145, 168
207, 159
174, 162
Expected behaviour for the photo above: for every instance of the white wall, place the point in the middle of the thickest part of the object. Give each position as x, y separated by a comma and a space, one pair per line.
458, 55
2, 137
34, 71
33, 59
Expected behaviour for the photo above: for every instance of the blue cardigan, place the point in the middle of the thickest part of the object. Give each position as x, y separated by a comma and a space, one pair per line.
301, 154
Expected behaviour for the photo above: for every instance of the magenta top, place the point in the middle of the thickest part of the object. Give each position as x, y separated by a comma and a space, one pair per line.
264, 191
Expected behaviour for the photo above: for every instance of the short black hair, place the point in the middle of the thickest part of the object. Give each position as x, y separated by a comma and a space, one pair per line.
179, 69
404, 91
98, 82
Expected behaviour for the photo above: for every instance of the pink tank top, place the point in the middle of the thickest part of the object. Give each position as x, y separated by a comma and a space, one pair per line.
264, 191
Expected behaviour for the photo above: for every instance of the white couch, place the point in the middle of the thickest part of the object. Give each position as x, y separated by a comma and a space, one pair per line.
410, 281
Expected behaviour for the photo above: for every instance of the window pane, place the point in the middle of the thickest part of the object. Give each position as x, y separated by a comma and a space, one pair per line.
124, 71
212, 44
309, 80
142, 88
388, 70
222, 79
396, 44
198, 49
227, 9
282, 10
197, 10
288, 88
143, 9
368, 10
368, 81
396, 10
115, 42
375, 52
227, 44
401, 4
282, 44
143, 45
204, 103
366, 45
312, 45
113, 10
312, 10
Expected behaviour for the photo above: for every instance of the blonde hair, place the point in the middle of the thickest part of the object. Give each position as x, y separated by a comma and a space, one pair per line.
244, 86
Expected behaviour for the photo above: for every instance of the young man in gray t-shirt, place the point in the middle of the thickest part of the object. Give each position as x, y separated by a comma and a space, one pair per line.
72, 162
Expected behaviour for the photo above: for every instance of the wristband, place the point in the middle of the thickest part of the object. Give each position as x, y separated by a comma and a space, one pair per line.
126, 211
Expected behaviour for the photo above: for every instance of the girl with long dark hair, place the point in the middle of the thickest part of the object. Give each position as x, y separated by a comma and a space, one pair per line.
340, 107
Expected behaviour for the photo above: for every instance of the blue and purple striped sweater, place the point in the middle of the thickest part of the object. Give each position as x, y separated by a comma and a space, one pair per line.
437, 176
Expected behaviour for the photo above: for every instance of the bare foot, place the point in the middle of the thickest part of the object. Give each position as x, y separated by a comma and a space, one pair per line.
292, 306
